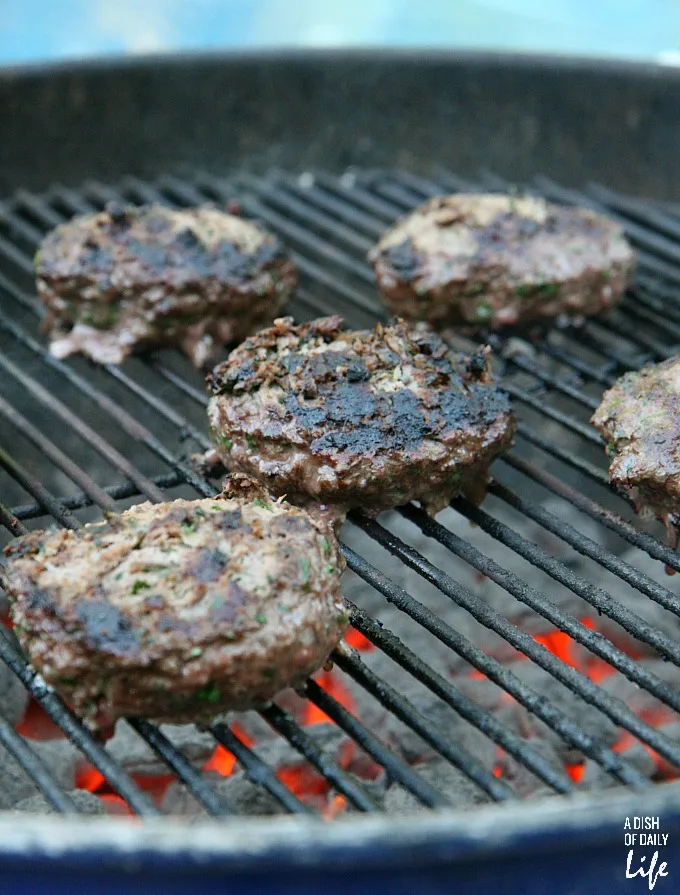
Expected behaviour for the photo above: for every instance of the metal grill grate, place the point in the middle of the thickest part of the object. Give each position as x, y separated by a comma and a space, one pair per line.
135, 420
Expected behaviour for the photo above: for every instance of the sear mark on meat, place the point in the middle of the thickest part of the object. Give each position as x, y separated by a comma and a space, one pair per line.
127, 278
639, 418
359, 419
179, 611
492, 261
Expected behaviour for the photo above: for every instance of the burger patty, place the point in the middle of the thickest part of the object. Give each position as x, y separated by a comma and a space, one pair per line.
493, 261
359, 419
178, 611
639, 418
131, 277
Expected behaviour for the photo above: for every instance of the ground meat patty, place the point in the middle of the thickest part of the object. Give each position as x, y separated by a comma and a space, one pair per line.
492, 260
132, 277
358, 419
639, 418
178, 611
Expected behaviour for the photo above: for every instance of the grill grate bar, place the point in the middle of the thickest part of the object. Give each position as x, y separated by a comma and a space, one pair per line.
488, 617
214, 804
587, 547
53, 453
666, 326
552, 413
335, 207
44, 497
466, 708
666, 647
402, 708
634, 208
79, 500
36, 768
585, 466
605, 517
75, 731
567, 729
284, 725
602, 375
258, 771
397, 769
564, 388
302, 210
570, 677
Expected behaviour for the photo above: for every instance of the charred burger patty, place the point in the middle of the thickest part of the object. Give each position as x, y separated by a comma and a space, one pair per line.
130, 277
178, 611
493, 260
639, 418
358, 419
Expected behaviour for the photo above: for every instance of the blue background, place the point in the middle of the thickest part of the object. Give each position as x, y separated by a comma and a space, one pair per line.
32, 30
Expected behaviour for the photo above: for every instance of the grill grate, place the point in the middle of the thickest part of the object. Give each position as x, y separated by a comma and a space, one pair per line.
137, 419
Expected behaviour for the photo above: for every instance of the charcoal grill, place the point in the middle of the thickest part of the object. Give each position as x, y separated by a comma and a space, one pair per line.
141, 421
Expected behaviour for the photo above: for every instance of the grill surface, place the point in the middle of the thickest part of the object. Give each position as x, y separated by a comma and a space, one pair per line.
143, 420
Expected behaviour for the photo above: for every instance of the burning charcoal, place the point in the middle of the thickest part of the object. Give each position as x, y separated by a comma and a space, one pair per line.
449, 781
246, 797
15, 784
642, 703
520, 778
130, 750
588, 717
13, 696
242, 795
413, 749
278, 753
62, 758
253, 725
86, 803
664, 768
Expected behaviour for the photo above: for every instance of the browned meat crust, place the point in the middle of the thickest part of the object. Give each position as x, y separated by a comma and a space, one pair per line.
131, 277
359, 419
492, 260
178, 611
640, 421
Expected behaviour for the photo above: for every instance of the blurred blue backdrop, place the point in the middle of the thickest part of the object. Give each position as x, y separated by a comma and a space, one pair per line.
54, 29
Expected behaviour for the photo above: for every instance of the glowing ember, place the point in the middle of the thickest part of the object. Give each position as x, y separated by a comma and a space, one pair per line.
576, 771
36, 724
115, 805
331, 683
336, 806
222, 761
358, 641
89, 778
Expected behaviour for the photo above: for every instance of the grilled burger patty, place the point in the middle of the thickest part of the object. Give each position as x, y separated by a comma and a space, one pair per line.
179, 611
492, 260
358, 419
131, 277
639, 418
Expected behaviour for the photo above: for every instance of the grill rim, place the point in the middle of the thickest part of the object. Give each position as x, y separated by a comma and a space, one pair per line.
65, 102
426, 840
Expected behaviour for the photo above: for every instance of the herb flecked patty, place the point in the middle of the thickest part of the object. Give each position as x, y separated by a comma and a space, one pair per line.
494, 260
127, 278
370, 419
179, 611
639, 418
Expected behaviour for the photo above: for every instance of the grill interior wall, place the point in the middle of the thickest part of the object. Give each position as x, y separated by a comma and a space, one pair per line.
74, 429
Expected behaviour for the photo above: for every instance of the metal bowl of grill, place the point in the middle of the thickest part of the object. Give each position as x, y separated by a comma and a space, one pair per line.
510, 693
